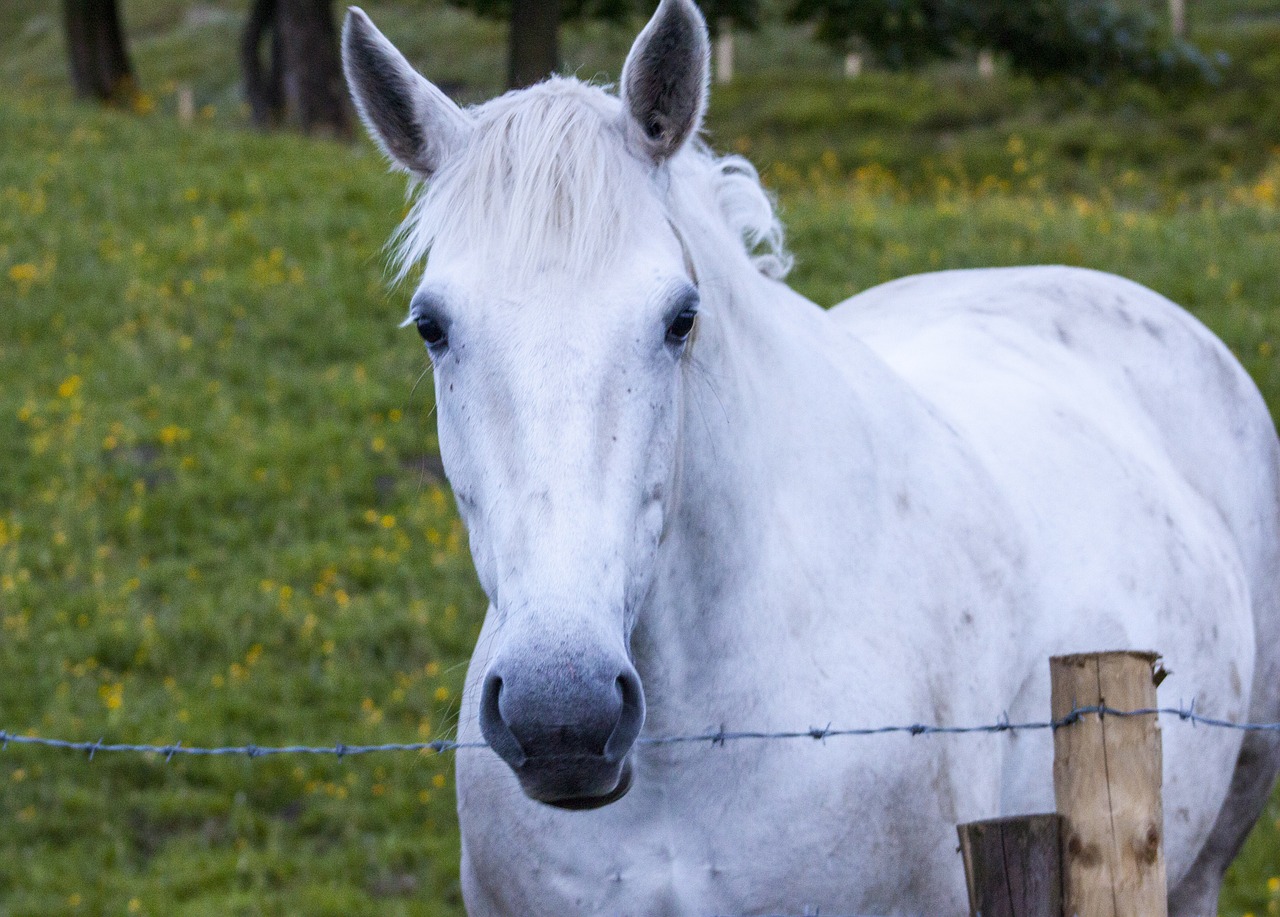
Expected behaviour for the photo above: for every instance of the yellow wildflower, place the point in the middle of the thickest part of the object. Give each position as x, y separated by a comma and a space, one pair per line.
112, 695
172, 434
24, 274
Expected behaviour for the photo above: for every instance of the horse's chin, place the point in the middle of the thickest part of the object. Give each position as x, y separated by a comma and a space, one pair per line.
575, 785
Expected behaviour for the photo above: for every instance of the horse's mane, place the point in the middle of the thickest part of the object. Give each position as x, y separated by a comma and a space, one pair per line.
546, 178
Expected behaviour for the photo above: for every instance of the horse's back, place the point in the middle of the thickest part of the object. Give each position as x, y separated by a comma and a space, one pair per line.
1131, 365
1141, 466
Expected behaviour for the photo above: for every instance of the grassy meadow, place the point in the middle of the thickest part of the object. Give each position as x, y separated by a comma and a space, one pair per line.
222, 518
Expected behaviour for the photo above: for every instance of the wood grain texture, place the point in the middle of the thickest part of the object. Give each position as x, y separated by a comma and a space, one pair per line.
1107, 783
1011, 866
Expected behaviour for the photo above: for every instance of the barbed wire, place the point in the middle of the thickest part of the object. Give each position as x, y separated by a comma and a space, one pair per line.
718, 737
340, 750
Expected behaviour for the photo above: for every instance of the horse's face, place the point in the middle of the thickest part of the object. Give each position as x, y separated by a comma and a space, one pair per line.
559, 402
558, 415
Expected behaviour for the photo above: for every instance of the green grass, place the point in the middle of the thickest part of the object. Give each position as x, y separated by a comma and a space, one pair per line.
948, 125
215, 526
220, 512
790, 108
214, 522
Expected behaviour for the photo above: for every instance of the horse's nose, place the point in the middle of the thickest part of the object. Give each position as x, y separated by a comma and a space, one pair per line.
565, 728
526, 715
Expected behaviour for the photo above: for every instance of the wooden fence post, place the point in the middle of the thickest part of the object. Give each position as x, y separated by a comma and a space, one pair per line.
1178, 18
724, 53
186, 104
1011, 866
1106, 779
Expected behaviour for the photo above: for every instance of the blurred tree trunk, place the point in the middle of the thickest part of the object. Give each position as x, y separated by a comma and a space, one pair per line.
314, 91
301, 83
100, 67
263, 87
534, 51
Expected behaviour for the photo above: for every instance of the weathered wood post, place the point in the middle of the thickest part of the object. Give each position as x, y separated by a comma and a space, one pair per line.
1178, 18
986, 63
1011, 866
1107, 781
724, 52
186, 104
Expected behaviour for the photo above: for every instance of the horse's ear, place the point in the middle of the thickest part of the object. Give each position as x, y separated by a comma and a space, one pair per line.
415, 123
665, 79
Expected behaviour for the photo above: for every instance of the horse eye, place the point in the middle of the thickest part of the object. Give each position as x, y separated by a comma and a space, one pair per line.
431, 331
681, 325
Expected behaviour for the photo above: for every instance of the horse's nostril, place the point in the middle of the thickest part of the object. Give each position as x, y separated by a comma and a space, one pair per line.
631, 718
495, 729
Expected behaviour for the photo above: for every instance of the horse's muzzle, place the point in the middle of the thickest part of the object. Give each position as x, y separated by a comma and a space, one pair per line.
565, 730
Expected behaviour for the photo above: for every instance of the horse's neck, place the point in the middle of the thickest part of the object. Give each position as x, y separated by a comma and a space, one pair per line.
797, 442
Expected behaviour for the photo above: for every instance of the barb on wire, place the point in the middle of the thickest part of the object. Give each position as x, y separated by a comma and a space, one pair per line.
717, 738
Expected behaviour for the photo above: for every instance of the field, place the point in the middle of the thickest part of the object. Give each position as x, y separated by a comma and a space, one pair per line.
221, 512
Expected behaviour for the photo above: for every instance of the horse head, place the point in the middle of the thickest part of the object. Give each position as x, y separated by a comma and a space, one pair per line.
558, 305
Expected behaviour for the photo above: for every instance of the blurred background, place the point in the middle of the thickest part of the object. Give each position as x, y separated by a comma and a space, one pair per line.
222, 513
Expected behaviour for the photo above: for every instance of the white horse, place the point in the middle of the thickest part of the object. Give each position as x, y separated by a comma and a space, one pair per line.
695, 499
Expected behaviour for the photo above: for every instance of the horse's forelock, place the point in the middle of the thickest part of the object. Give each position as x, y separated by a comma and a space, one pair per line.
546, 179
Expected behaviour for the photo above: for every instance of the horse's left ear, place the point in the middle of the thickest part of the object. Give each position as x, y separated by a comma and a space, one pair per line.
665, 79
416, 124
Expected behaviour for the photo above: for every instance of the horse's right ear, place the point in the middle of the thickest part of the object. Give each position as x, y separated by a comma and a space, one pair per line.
416, 124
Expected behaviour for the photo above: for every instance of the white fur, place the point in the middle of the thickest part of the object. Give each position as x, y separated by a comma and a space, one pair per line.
891, 512
544, 178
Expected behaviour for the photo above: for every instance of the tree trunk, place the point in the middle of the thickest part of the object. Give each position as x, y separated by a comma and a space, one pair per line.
302, 84
534, 52
263, 87
315, 94
100, 67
